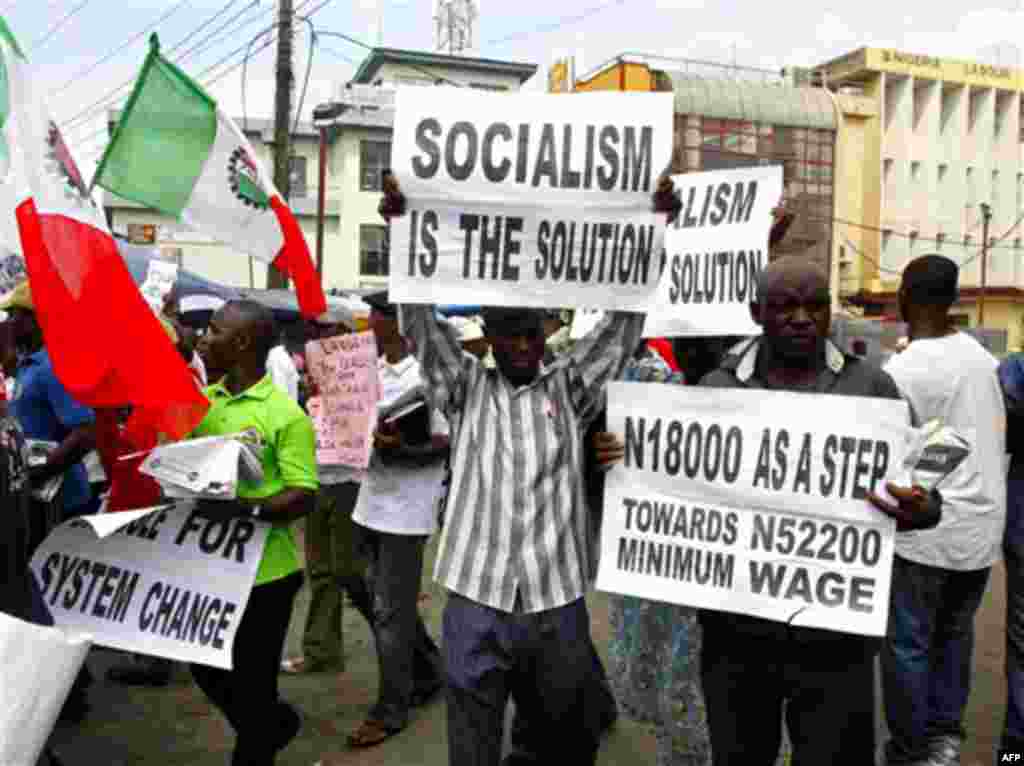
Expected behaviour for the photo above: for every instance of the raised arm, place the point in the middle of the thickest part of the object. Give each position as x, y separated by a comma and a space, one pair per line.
602, 355
443, 364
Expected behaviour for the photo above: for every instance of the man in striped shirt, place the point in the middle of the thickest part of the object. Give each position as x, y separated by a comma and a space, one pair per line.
516, 552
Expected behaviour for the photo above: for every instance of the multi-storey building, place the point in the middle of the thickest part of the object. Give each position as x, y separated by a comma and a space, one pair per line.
948, 141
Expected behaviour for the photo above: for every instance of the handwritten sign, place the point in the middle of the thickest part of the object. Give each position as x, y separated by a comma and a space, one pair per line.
715, 251
344, 413
753, 502
529, 199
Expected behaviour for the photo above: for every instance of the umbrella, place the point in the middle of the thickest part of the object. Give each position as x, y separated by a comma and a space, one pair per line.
199, 297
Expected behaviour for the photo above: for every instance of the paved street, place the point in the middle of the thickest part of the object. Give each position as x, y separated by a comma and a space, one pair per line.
177, 727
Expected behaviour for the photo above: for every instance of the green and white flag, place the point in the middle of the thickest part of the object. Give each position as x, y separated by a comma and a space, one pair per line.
176, 151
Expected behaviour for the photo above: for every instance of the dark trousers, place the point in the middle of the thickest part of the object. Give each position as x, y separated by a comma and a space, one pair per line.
1013, 551
543, 661
521, 738
247, 695
410, 662
829, 701
926, 663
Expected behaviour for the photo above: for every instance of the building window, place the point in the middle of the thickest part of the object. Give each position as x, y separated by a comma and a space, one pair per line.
915, 172
297, 176
807, 157
970, 186
951, 95
487, 86
374, 159
888, 179
374, 251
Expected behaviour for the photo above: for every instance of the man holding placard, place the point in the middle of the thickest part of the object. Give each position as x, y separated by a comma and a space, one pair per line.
752, 665
516, 553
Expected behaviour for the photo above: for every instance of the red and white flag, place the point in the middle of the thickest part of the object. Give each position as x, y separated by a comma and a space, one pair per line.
107, 346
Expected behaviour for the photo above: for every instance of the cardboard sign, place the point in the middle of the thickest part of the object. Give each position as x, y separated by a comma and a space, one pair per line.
12, 270
344, 414
160, 279
753, 502
715, 251
168, 584
528, 199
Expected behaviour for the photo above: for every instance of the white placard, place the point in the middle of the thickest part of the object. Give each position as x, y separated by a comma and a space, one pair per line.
171, 584
38, 666
715, 250
529, 199
160, 279
209, 467
753, 502
583, 321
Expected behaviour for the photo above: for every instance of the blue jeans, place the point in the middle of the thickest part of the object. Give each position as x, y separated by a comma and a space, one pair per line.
926, 663
1013, 551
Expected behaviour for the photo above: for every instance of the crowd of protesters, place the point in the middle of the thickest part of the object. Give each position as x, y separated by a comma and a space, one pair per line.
506, 463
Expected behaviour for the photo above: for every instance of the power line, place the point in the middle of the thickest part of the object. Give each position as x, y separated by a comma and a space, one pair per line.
199, 46
250, 54
883, 230
124, 46
270, 41
48, 35
97, 107
554, 25
1007, 233
91, 110
966, 262
340, 56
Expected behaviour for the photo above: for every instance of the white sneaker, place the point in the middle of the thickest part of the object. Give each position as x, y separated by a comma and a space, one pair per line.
944, 751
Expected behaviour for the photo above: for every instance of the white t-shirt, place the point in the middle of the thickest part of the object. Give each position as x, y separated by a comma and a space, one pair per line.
330, 475
953, 379
283, 372
401, 499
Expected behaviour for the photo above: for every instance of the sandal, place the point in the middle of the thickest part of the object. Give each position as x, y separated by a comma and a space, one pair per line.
296, 666
371, 733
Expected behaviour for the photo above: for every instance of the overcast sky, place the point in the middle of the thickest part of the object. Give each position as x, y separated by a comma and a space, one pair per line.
749, 32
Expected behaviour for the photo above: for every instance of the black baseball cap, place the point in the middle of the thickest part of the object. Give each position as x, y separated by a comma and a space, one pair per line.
380, 303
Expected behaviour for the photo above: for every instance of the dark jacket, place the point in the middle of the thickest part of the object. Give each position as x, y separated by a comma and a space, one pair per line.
1011, 379
843, 375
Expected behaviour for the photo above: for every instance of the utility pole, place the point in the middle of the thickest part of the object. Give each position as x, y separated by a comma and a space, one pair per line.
282, 117
986, 215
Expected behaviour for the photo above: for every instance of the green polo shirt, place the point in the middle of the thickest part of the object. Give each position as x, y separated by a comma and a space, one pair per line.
288, 455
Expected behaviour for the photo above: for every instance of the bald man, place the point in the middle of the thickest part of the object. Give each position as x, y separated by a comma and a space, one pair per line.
246, 400
750, 666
